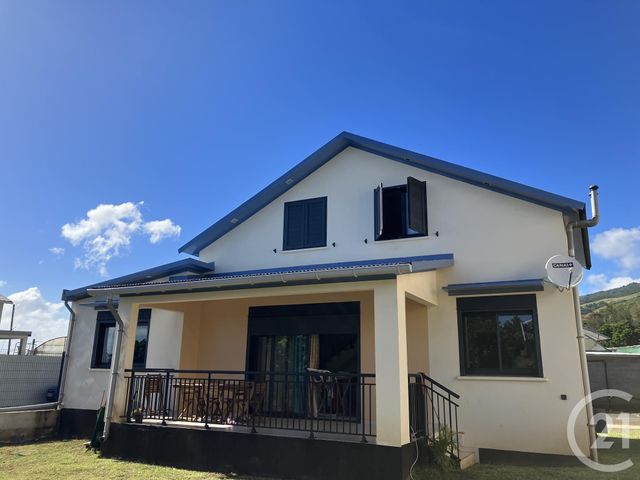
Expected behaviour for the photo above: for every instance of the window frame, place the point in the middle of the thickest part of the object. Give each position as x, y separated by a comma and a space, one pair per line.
498, 305
406, 190
144, 318
286, 243
104, 320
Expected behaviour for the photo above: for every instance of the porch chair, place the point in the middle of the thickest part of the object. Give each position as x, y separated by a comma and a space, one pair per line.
153, 395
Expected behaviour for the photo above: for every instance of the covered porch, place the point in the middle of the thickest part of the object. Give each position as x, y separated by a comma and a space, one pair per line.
337, 361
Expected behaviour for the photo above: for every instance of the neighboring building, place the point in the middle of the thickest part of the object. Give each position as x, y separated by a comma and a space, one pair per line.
592, 341
311, 308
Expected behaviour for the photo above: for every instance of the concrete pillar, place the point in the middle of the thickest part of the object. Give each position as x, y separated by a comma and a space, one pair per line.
129, 315
392, 385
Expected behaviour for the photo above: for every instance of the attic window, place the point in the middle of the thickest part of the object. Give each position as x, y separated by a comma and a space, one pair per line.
401, 210
305, 224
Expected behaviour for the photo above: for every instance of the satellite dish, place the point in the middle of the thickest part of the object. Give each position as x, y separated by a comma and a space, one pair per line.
564, 271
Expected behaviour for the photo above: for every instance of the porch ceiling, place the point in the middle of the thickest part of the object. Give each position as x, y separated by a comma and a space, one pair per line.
298, 275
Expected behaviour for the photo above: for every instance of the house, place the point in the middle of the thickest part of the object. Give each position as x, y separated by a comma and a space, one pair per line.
367, 297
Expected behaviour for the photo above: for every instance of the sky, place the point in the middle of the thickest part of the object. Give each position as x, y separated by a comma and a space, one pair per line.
126, 128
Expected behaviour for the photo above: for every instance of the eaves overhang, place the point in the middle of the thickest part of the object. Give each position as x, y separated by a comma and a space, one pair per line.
286, 276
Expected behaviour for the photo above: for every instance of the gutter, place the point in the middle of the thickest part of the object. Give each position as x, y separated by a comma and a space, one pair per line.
593, 194
276, 277
67, 353
115, 360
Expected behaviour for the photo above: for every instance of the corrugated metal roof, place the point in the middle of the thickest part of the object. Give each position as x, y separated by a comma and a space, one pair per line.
150, 274
417, 263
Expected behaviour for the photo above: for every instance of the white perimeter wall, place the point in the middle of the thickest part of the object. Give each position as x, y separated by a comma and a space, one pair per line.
85, 386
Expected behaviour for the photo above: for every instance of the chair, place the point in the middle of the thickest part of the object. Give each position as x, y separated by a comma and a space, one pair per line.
153, 395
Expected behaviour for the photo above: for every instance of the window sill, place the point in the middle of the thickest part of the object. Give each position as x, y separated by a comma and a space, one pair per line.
485, 378
100, 369
407, 239
310, 249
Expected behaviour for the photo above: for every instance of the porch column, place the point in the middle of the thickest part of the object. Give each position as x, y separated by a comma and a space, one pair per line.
392, 384
129, 315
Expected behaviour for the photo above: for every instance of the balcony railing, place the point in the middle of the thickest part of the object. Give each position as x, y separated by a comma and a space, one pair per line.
316, 402
433, 412
313, 402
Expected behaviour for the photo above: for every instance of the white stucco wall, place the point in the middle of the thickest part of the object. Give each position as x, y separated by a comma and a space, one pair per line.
493, 236
86, 387
165, 333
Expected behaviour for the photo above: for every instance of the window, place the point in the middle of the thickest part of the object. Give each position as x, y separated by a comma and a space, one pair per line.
142, 338
305, 224
103, 344
499, 336
105, 337
401, 211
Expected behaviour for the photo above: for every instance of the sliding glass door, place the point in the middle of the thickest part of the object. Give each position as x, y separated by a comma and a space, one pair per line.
286, 342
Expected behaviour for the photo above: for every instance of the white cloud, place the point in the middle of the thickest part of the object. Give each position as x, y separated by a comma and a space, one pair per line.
57, 250
622, 245
3, 283
159, 229
599, 281
34, 313
108, 229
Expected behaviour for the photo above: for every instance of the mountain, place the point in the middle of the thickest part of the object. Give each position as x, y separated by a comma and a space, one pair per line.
614, 313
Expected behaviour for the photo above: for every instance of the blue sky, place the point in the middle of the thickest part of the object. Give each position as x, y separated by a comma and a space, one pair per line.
191, 107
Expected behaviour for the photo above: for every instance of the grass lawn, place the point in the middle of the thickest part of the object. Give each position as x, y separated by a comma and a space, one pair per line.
68, 459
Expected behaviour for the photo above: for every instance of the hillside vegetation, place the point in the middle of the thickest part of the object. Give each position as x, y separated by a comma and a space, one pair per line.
614, 313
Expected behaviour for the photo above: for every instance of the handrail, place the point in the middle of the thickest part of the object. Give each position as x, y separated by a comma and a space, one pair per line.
437, 384
248, 372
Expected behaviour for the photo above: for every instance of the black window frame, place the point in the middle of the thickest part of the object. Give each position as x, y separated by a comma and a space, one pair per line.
144, 318
499, 305
287, 243
413, 214
105, 320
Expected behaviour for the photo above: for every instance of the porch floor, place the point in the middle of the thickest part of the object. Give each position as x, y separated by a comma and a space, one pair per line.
276, 432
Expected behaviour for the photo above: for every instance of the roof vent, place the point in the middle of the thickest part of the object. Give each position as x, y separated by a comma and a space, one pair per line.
289, 181
234, 220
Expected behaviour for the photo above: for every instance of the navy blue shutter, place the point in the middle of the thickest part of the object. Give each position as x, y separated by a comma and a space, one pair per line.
377, 212
294, 225
417, 198
316, 231
305, 224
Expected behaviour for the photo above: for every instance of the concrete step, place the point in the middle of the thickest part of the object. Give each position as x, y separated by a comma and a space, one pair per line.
467, 458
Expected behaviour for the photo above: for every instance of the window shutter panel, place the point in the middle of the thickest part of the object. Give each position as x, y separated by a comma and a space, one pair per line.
377, 211
294, 226
316, 232
417, 198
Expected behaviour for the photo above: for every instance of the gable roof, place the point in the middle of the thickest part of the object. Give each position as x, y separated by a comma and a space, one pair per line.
148, 275
573, 209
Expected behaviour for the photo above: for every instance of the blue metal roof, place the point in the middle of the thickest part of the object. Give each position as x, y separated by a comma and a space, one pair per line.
148, 275
420, 263
492, 288
572, 208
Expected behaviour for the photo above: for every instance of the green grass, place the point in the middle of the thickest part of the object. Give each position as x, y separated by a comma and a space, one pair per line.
503, 472
70, 460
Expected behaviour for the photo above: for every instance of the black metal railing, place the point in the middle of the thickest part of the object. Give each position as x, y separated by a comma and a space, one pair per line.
315, 402
433, 412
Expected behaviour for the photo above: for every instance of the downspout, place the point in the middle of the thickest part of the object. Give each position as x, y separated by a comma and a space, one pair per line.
593, 193
115, 360
67, 353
